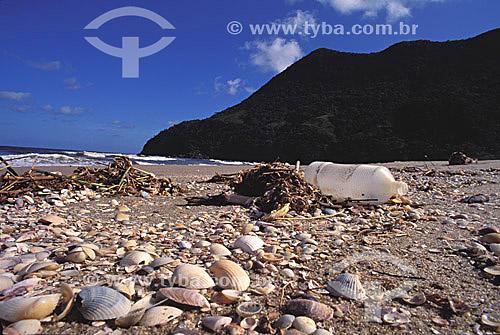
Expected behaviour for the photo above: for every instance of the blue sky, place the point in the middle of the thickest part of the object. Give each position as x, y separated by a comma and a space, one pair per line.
58, 91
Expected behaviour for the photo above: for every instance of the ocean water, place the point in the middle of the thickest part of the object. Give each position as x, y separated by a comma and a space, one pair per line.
22, 156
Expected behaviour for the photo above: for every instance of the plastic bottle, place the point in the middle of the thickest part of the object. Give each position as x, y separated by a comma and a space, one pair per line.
368, 184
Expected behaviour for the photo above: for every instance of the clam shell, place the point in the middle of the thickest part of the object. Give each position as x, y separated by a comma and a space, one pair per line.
491, 238
491, 319
216, 323
226, 297
493, 270
21, 286
160, 261
102, 303
37, 266
52, 219
249, 323
310, 308
159, 315
249, 243
186, 297
136, 258
495, 248
230, 275
192, 276
5, 283
247, 309
395, 318
30, 326
488, 230
77, 255
120, 217
28, 308
347, 285
123, 209
131, 319
416, 300
217, 249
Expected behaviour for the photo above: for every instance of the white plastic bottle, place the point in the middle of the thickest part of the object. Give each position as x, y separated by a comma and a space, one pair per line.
368, 184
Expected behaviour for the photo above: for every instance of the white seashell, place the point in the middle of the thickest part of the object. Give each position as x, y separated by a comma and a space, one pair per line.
491, 319
192, 276
249, 243
29, 326
216, 323
347, 285
136, 258
37, 266
131, 319
25, 285
247, 309
230, 275
102, 303
121, 217
28, 308
159, 315
185, 296
495, 248
217, 249
493, 270
5, 283
249, 323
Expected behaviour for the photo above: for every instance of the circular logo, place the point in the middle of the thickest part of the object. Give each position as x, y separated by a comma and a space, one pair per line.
234, 27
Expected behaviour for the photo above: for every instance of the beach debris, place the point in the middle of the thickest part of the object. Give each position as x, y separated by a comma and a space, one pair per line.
415, 300
192, 277
185, 297
102, 303
230, 275
459, 158
249, 243
247, 309
310, 308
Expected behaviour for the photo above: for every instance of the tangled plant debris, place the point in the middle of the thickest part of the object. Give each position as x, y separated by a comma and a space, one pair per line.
119, 177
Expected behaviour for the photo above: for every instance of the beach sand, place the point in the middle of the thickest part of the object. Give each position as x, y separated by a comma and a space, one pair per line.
386, 246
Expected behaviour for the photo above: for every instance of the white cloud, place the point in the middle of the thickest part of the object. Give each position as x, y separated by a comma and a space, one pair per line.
45, 66
48, 108
274, 55
395, 9
67, 110
233, 86
73, 84
14, 96
22, 109
297, 19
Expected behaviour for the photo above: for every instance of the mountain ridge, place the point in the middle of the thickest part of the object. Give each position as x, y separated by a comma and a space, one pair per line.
407, 101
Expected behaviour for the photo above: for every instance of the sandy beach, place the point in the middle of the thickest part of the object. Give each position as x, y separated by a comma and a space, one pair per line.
395, 249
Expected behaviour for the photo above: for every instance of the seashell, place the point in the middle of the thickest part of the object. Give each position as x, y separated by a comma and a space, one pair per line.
247, 309
52, 219
226, 297
264, 290
102, 303
310, 308
136, 258
29, 326
145, 303
184, 331
123, 209
270, 257
248, 243
491, 319
495, 248
127, 289
21, 308
9, 262
416, 300
249, 323
21, 287
347, 285
395, 318
186, 297
67, 301
230, 275
160, 261
130, 319
121, 217
287, 273
217, 249
476, 249
192, 276
5, 283
77, 255
216, 323
491, 238
247, 227
37, 266
304, 324
493, 270
285, 321
159, 315
488, 230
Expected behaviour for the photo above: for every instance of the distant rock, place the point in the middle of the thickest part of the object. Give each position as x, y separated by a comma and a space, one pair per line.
412, 99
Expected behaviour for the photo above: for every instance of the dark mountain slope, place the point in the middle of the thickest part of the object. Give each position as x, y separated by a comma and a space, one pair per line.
412, 99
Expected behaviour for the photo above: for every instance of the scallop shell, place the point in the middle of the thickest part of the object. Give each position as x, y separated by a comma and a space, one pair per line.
102, 303
247, 309
192, 276
136, 258
491, 319
185, 296
30, 326
230, 275
159, 315
21, 308
495, 248
249, 243
347, 285
216, 323
491, 238
217, 249
310, 308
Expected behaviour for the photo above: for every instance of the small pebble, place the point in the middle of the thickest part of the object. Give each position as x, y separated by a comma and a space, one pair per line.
304, 324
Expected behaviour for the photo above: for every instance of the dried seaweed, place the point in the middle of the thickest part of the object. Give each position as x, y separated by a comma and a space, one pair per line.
119, 177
